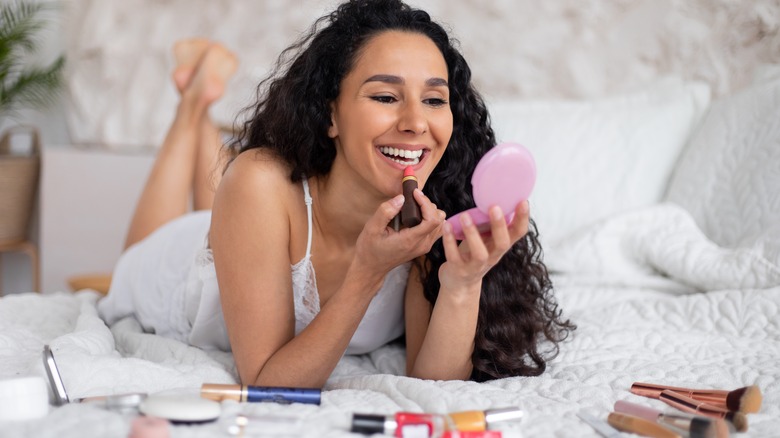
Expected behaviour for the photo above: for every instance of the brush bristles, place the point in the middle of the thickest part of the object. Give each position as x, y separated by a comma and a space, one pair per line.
747, 399
739, 420
702, 428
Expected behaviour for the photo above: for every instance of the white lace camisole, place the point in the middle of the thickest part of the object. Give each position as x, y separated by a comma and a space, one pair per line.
169, 284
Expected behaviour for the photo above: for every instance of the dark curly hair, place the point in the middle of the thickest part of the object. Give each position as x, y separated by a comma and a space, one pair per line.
519, 324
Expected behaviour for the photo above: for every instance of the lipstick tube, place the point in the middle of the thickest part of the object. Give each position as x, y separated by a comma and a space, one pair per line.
254, 394
410, 211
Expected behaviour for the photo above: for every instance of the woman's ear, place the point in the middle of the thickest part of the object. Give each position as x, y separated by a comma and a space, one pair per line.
333, 129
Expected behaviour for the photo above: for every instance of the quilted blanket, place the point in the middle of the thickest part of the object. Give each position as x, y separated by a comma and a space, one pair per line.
653, 299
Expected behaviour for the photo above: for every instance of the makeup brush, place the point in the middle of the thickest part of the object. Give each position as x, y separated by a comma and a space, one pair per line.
690, 426
639, 426
687, 404
746, 399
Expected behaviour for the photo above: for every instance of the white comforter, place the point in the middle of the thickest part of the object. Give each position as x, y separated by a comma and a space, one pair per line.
653, 299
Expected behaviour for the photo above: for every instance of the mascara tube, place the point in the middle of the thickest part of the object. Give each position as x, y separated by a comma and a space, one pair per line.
255, 394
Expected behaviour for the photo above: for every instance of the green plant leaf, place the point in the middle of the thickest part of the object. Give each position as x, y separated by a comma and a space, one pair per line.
20, 86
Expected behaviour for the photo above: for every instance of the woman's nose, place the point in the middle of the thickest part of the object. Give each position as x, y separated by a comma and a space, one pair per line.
412, 119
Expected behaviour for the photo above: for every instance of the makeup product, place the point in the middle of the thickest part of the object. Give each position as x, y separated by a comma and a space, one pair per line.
246, 393
410, 211
401, 425
504, 176
687, 404
686, 425
746, 399
639, 426
483, 420
149, 427
180, 408
114, 402
472, 434
602, 427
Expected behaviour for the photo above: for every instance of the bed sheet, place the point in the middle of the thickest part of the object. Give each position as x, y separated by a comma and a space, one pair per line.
636, 322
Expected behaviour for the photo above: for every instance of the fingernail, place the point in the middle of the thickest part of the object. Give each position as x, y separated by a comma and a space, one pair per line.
496, 213
398, 201
465, 219
524, 207
447, 228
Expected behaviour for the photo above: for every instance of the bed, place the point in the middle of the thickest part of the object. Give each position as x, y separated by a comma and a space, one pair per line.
658, 206
666, 256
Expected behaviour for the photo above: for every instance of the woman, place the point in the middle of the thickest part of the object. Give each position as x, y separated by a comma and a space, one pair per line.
372, 88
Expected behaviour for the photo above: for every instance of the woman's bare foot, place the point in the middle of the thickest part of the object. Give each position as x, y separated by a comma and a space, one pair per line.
216, 66
187, 54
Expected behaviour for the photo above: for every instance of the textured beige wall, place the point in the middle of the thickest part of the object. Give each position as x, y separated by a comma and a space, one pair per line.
119, 51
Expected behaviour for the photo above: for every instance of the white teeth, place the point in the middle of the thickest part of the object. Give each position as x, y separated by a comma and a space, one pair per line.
394, 153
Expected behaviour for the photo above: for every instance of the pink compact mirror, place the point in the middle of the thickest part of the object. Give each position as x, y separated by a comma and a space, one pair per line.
505, 176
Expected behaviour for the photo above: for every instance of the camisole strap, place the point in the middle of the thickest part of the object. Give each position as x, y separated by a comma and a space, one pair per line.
307, 200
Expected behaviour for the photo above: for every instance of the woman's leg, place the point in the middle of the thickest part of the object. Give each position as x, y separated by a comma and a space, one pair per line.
201, 73
208, 166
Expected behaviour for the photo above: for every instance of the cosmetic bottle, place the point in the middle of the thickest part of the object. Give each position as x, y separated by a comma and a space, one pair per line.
401, 425
470, 424
483, 420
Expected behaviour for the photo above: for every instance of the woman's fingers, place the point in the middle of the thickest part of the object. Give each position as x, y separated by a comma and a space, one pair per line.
386, 212
476, 249
499, 234
519, 226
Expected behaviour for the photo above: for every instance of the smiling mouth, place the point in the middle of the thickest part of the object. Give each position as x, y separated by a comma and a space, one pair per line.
402, 156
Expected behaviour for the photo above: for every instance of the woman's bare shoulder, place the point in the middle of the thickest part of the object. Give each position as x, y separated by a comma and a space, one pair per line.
260, 175
258, 165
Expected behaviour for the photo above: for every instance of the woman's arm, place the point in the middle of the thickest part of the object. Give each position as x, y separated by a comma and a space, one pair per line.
250, 237
440, 340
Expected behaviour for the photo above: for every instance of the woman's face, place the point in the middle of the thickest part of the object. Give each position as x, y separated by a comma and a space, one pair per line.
393, 111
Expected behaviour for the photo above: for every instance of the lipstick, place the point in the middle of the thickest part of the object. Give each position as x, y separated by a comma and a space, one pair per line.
410, 211
246, 393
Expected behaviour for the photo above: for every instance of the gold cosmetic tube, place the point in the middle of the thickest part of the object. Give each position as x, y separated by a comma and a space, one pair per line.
478, 421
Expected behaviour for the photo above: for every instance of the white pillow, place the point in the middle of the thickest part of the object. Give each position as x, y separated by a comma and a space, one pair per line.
729, 177
601, 157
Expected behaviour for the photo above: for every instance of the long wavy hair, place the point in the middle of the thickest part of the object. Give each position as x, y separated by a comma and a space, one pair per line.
519, 325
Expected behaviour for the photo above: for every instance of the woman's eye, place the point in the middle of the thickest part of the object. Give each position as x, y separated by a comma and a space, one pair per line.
435, 102
384, 99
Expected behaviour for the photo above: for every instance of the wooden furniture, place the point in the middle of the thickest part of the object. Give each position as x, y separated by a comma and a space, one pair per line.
19, 174
97, 282
31, 250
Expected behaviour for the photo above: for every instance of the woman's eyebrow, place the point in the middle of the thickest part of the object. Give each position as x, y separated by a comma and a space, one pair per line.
397, 80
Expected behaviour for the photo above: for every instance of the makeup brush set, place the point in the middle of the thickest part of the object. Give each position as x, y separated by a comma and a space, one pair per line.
705, 413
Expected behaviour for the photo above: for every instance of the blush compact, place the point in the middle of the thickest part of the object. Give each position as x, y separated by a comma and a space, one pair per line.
504, 176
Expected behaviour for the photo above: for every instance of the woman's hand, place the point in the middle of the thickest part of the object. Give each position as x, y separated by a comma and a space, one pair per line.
380, 248
468, 262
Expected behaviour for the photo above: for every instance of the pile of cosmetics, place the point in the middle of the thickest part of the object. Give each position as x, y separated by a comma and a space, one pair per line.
705, 413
